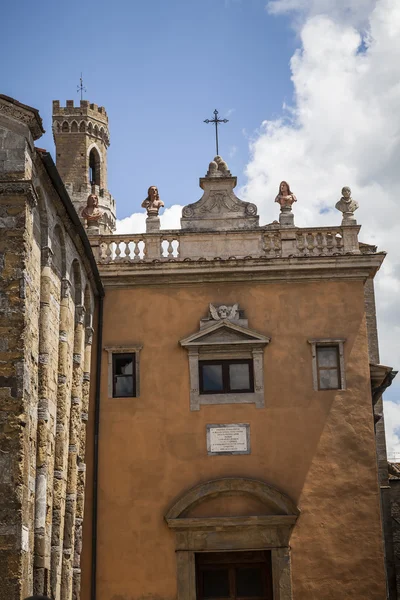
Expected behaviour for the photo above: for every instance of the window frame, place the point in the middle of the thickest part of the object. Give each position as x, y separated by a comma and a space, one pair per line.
132, 375
321, 368
232, 562
124, 350
324, 343
225, 363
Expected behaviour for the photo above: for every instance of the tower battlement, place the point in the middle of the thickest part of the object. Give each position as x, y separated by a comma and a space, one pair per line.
86, 118
81, 137
87, 107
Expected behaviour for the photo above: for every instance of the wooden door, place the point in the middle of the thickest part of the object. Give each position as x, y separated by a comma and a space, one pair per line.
234, 576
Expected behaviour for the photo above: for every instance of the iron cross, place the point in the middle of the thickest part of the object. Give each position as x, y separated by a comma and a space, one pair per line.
80, 87
216, 122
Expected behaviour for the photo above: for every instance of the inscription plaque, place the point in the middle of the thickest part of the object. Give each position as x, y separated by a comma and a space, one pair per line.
231, 438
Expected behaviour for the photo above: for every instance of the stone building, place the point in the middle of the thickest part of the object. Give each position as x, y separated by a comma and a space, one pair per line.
48, 290
233, 398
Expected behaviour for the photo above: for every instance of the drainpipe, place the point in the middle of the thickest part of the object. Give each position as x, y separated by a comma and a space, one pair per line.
96, 448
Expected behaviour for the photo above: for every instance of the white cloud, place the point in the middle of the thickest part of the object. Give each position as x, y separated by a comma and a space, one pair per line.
343, 129
170, 219
392, 428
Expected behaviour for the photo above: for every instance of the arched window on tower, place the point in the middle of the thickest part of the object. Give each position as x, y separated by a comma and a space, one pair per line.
94, 167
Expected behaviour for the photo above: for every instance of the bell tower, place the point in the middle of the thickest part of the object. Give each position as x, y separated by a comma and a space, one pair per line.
81, 137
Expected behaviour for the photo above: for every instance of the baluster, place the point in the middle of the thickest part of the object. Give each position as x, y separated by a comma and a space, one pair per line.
177, 248
301, 246
329, 242
136, 251
170, 250
339, 242
117, 250
310, 243
108, 251
144, 249
127, 251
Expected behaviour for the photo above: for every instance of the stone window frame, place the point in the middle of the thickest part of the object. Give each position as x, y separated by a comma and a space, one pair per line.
221, 534
131, 349
248, 345
339, 343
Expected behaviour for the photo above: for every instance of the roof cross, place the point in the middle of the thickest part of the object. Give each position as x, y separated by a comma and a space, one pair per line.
216, 122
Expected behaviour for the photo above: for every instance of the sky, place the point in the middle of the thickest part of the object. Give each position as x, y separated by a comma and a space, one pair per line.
311, 89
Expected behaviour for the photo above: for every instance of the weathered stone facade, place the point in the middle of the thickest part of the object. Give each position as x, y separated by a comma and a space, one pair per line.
47, 296
82, 137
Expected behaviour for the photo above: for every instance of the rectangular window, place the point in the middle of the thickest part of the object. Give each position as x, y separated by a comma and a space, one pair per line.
226, 376
328, 368
124, 375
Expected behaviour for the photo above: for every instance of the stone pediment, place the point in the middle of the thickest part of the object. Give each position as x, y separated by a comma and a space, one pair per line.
219, 208
225, 332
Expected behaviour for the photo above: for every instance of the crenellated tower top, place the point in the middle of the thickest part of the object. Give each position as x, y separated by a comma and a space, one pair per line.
81, 136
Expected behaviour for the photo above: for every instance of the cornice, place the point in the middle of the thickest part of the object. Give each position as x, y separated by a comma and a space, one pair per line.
19, 188
262, 270
24, 114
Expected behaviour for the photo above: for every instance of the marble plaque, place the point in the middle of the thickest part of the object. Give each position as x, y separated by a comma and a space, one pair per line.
231, 438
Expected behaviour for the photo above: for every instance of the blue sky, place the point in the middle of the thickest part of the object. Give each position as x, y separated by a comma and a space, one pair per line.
159, 67
310, 68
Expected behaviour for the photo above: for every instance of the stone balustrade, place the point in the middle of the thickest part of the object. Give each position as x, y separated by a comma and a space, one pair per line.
266, 242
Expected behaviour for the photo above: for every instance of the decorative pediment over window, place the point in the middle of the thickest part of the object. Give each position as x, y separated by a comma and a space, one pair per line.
225, 333
225, 350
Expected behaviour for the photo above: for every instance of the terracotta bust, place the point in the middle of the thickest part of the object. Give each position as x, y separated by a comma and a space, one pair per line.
152, 203
91, 212
346, 204
285, 197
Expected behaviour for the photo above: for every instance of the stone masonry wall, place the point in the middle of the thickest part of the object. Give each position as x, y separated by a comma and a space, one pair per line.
18, 387
42, 337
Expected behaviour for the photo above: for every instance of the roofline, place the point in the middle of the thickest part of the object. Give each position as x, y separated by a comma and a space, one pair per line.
57, 182
25, 107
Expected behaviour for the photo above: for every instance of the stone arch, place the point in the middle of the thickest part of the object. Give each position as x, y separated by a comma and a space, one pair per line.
268, 532
74, 127
65, 127
59, 252
76, 283
230, 486
43, 218
90, 128
96, 131
88, 304
56, 126
82, 127
94, 165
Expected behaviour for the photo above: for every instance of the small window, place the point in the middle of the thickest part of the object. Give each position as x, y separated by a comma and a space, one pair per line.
226, 376
94, 167
124, 376
328, 367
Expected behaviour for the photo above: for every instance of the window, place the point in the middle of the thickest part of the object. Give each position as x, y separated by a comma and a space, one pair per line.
226, 376
94, 167
234, 575
124, 376
328, 367
328, 364
123, 371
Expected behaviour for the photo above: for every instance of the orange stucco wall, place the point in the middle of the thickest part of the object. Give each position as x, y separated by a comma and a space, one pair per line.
317, 447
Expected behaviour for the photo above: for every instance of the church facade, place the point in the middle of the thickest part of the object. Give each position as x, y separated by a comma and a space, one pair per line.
187, 414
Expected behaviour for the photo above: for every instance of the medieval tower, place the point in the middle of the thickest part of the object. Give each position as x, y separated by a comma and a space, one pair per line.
81, 137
